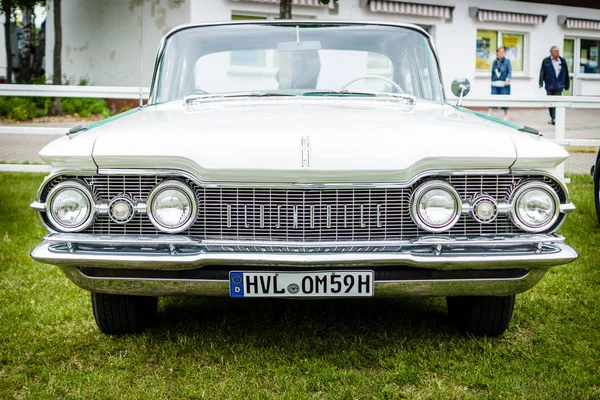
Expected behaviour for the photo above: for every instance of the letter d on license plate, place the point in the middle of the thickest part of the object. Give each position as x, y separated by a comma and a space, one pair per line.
301, 284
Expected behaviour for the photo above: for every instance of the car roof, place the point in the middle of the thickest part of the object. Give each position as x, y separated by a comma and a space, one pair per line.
298, 21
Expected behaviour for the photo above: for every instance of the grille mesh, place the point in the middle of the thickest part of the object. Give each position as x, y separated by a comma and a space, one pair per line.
304, 215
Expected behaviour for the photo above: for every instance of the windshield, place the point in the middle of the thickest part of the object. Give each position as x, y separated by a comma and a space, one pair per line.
305, 59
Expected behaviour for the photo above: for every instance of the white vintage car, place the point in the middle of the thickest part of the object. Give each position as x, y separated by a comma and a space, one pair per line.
302, 160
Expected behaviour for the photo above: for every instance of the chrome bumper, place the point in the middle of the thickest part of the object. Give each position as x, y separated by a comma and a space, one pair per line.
533, 253
220, 288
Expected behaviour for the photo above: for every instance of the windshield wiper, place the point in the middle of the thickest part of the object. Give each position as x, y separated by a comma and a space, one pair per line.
345, 92
195, 97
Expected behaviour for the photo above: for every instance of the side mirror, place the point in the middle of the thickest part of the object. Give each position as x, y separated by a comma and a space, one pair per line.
460, 88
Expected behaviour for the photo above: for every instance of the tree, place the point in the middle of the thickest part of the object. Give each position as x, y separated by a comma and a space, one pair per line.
285, 8
32, 48
38, 56
7, 7
24, 75
57, 66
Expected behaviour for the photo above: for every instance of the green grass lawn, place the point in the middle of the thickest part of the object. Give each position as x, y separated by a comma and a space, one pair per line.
225, 348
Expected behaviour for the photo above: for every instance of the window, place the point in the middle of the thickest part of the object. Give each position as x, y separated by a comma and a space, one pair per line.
257, 58
487, 43
588, 56
378, 61
248, 58
197, 61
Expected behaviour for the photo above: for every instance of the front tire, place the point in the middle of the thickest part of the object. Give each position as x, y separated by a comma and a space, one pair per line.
118, 314
481, 315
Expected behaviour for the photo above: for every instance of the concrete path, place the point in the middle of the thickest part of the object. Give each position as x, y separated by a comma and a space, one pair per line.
580, 124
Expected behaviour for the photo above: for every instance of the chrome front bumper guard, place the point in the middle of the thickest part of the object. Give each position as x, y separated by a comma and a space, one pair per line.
534, 253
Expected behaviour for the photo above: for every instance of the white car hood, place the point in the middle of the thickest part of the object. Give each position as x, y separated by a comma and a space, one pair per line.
260, 140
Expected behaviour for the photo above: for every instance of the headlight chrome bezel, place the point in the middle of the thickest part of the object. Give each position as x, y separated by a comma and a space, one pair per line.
130, 205
87, 194
514, 202
187, 191
418, 195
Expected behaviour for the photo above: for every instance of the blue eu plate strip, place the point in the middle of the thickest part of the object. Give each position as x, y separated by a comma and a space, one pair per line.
236, 284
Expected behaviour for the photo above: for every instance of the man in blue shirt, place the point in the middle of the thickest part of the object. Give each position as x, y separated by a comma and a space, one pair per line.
554, 74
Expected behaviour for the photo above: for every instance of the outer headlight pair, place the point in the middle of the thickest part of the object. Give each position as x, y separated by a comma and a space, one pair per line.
70, 206
534, 207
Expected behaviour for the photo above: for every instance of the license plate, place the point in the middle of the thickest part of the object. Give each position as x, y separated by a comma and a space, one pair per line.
301, 284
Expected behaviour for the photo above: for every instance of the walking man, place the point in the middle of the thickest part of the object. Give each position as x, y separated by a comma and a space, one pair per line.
554, 74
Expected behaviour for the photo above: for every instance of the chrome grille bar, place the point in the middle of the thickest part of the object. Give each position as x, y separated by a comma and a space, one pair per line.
303, 214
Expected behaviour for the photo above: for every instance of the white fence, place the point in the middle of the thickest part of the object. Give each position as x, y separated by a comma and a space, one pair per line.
108, 92
99, 92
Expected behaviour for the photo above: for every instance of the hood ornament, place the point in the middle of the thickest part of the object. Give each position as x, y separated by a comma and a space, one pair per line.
305, 146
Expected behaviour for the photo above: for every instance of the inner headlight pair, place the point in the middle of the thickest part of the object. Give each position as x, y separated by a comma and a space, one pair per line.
436, 207
172, 206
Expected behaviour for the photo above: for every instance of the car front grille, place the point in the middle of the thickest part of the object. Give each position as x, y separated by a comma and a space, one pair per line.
304, 215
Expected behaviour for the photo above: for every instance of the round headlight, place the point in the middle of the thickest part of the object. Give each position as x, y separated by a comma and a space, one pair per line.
534, 207
69, 206
172, 206
436, 206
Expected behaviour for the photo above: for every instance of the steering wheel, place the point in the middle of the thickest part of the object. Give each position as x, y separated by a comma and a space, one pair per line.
381, 78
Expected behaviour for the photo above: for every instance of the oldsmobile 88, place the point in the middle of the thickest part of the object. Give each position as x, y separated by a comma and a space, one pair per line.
302, 159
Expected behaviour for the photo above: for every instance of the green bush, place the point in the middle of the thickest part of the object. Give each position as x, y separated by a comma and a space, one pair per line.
84, 107
25, 108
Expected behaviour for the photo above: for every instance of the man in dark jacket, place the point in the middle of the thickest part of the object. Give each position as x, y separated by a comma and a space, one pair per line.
554, 74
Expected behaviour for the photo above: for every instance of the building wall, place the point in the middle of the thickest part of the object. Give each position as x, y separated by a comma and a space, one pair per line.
455, 39
101, 38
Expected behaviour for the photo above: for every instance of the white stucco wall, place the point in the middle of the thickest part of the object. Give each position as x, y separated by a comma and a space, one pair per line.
455, 39
101, 38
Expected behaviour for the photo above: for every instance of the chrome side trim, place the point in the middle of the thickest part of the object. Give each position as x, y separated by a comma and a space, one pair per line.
567, 208
37, 206
210, 288
433, 257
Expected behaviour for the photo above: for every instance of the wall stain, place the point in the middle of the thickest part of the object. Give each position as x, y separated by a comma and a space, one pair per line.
161, 18
172, 4
158, 12
112, 55
70, 49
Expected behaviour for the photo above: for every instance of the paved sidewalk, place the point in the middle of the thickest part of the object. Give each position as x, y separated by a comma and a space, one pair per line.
580, 124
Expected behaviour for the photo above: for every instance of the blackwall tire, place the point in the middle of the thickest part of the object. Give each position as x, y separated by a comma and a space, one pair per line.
117, 314
597, 190
481, 315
